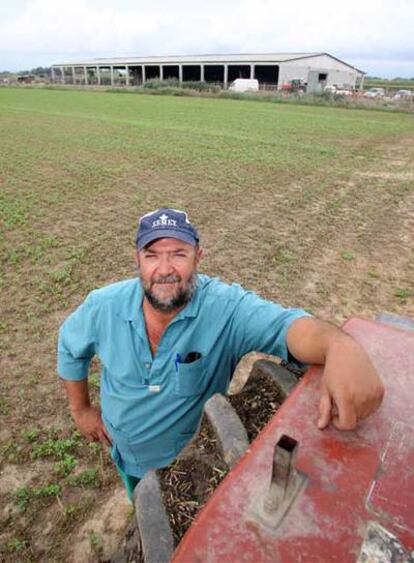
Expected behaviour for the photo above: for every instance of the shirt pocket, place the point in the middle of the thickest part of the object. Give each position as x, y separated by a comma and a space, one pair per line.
191, 379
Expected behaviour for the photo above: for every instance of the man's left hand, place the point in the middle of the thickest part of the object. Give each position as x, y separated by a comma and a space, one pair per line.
351, 389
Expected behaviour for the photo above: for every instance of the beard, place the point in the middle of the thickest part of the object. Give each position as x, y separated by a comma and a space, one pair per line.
183, 294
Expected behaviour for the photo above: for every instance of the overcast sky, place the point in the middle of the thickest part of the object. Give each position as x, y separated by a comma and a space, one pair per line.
376, 36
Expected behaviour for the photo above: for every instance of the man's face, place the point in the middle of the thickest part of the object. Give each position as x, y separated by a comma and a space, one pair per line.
167, 270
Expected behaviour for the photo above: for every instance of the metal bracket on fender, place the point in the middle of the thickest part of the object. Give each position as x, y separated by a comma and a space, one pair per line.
286, 484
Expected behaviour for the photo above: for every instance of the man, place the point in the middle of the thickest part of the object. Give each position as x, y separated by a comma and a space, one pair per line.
171, 339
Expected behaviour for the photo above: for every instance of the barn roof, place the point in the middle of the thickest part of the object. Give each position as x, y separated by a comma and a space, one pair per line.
207, 58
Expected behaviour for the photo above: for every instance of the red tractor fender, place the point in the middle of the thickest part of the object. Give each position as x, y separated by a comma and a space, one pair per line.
302, 494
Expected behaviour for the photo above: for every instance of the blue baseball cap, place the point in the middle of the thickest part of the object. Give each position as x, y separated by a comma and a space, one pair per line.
165, 223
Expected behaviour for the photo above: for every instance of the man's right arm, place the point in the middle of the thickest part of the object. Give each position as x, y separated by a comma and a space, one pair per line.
76, 348
87, 417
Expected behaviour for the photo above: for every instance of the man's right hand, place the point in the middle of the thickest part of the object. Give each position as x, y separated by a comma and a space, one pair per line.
89, 421
87, 417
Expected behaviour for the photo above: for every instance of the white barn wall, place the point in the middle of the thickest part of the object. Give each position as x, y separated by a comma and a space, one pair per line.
338, 73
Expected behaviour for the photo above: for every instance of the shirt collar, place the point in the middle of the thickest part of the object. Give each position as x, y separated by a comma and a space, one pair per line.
130, 309
130, 306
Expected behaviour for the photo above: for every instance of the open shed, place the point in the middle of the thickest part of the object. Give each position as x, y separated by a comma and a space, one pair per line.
316, 70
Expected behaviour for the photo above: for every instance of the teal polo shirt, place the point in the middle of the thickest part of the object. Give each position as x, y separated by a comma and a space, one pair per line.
151, 406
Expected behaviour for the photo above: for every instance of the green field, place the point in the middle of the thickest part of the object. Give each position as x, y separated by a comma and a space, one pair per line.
309, 206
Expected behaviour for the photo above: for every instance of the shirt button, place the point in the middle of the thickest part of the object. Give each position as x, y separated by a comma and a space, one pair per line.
147, 365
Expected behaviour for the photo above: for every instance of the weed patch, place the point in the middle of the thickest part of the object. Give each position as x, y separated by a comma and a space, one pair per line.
348, 255
87, 478
46, 491
404, 293
12, 452
66, 465
22, 496
15, 545
55, 448
31, 434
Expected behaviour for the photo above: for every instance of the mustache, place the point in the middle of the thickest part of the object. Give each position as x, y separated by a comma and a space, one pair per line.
170, 278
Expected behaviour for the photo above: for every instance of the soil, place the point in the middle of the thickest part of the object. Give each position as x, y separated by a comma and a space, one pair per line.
188, 482
259, 400
336, 240
129, 550
256, 404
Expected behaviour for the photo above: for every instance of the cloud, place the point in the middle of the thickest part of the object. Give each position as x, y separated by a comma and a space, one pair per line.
369, 30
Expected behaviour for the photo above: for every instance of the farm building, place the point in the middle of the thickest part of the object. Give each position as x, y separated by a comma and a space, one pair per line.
317, 70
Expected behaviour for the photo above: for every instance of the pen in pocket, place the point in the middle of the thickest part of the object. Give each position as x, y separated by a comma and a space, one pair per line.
189, 359
177, 361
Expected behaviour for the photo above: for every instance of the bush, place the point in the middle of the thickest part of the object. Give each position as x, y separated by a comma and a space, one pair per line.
173, 83
156, 83
201, 86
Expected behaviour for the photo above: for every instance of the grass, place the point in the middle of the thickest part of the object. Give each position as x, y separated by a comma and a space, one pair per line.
404, 293
15, 545
65, 465
31, 434
87, 478
55, 448
207, 90
24, 495
347, 255
307, 205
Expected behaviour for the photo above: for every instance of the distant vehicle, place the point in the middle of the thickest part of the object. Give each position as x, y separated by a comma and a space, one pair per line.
375, 93
403, 95
26, 79
244, 85
297, 85
334, 89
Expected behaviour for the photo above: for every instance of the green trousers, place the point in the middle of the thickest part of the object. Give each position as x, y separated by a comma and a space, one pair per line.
129, 481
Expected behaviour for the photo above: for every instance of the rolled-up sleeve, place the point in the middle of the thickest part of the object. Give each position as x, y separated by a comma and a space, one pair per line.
262, 326
77, 340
